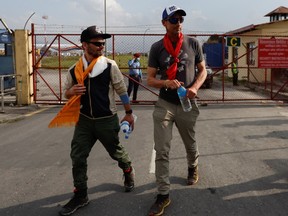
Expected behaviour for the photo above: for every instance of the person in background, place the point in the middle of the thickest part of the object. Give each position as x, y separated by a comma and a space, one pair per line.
98, 119
135, 75
235, 72
175, 57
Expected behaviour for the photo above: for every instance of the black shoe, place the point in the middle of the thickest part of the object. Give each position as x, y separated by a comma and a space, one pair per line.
158, 207
129, 180
75, 203
193, 176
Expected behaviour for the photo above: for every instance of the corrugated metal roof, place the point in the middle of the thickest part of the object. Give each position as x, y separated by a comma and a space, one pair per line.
279, 10
252, 27
242, 30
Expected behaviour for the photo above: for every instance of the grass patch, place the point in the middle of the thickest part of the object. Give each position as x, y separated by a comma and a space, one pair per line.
68, 61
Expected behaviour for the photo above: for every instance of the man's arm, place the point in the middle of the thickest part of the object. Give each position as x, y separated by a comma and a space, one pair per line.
156, 83
200, 79
128, 110
130, 62
151, 78
70, 88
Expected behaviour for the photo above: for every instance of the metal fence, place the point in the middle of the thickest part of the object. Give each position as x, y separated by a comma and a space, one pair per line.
54, 53
14, 93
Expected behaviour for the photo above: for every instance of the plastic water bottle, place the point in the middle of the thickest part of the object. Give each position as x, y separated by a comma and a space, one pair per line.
185, 102
126, 128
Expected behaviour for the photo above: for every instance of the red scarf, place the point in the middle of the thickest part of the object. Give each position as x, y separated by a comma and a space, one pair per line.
171, 71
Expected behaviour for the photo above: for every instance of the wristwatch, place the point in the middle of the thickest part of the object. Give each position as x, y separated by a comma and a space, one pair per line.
129, 111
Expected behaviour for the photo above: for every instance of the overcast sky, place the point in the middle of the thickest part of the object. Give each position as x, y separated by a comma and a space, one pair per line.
137, 16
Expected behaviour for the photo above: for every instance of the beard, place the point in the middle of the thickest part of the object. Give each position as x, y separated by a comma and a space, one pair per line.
94, 52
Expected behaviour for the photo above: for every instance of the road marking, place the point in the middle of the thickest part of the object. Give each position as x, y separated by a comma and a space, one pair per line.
284, 113
35, 112
152, 162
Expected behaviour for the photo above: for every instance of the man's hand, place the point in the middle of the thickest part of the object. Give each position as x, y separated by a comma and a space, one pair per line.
173, 84
77, 89
130, 119
192, 92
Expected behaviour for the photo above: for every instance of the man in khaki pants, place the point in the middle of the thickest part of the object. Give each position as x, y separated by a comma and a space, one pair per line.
175, 58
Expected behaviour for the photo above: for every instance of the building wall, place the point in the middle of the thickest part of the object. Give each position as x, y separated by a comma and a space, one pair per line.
263, 31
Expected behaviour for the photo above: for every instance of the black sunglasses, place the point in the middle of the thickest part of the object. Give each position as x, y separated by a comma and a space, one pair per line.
98, 44
174, 20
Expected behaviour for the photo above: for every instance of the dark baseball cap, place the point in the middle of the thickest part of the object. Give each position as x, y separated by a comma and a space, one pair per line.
93, 32
170, 10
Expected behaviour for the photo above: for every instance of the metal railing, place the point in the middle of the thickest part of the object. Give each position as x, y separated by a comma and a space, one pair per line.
17, 90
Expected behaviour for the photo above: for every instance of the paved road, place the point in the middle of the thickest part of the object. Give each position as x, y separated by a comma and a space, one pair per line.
48, 88
243, 166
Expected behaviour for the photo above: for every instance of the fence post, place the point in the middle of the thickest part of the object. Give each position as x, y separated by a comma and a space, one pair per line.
23, 65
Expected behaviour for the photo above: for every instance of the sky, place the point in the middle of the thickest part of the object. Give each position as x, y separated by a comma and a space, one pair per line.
127, 16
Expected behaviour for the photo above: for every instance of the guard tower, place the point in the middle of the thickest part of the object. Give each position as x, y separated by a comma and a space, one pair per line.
280, 13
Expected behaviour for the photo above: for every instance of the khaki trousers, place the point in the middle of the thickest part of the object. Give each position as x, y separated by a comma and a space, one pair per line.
164, 116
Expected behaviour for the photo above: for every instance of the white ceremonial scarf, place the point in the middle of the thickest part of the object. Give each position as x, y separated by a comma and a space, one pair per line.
98, 68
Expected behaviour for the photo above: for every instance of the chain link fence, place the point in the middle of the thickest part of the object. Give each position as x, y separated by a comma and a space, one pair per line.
54, 52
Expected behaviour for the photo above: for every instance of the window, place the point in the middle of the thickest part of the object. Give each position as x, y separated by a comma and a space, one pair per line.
250, 50
5, 43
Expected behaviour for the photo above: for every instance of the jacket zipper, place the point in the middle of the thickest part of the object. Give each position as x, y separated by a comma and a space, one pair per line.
90, 104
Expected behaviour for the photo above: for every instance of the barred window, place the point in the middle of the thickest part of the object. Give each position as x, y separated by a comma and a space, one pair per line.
250, 49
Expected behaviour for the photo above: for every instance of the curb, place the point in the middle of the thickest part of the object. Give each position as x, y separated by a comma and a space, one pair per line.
12, 117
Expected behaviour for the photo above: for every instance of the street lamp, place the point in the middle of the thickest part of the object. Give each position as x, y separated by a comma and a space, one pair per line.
105, 16
28, 20
45, 17
105, 24
144, 45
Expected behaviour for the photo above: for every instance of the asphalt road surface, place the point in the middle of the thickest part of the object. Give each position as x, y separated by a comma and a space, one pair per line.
243, 166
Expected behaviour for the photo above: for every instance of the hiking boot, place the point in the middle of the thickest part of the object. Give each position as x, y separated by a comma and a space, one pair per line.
158, 207
192, 175
77, 201
129, 176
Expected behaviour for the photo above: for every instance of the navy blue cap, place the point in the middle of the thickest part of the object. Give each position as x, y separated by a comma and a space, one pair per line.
170, 10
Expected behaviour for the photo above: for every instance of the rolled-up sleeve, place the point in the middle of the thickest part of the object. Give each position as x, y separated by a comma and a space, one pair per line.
68, 82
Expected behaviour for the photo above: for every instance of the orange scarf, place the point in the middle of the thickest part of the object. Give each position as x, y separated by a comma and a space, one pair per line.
69, 114
171, 71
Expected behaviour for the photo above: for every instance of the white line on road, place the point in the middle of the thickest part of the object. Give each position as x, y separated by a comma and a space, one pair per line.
152, 162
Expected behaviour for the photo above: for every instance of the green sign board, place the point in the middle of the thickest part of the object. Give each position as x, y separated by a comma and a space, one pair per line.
233, 41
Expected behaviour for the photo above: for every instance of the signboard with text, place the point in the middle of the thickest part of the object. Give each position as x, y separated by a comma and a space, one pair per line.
273, 53
233, 41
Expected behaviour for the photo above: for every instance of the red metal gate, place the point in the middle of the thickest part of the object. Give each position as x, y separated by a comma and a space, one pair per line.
54, 53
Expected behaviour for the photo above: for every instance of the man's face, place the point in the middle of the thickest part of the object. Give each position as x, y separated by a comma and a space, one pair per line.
174, 23
95, 47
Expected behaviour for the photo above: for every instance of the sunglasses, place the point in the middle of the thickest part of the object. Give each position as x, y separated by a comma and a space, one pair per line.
98, 44
174, 20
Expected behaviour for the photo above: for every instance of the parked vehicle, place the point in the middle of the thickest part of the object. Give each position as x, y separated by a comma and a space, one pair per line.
209, 79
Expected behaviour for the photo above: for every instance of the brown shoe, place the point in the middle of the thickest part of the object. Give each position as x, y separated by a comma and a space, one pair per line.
158, 207
192, 176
